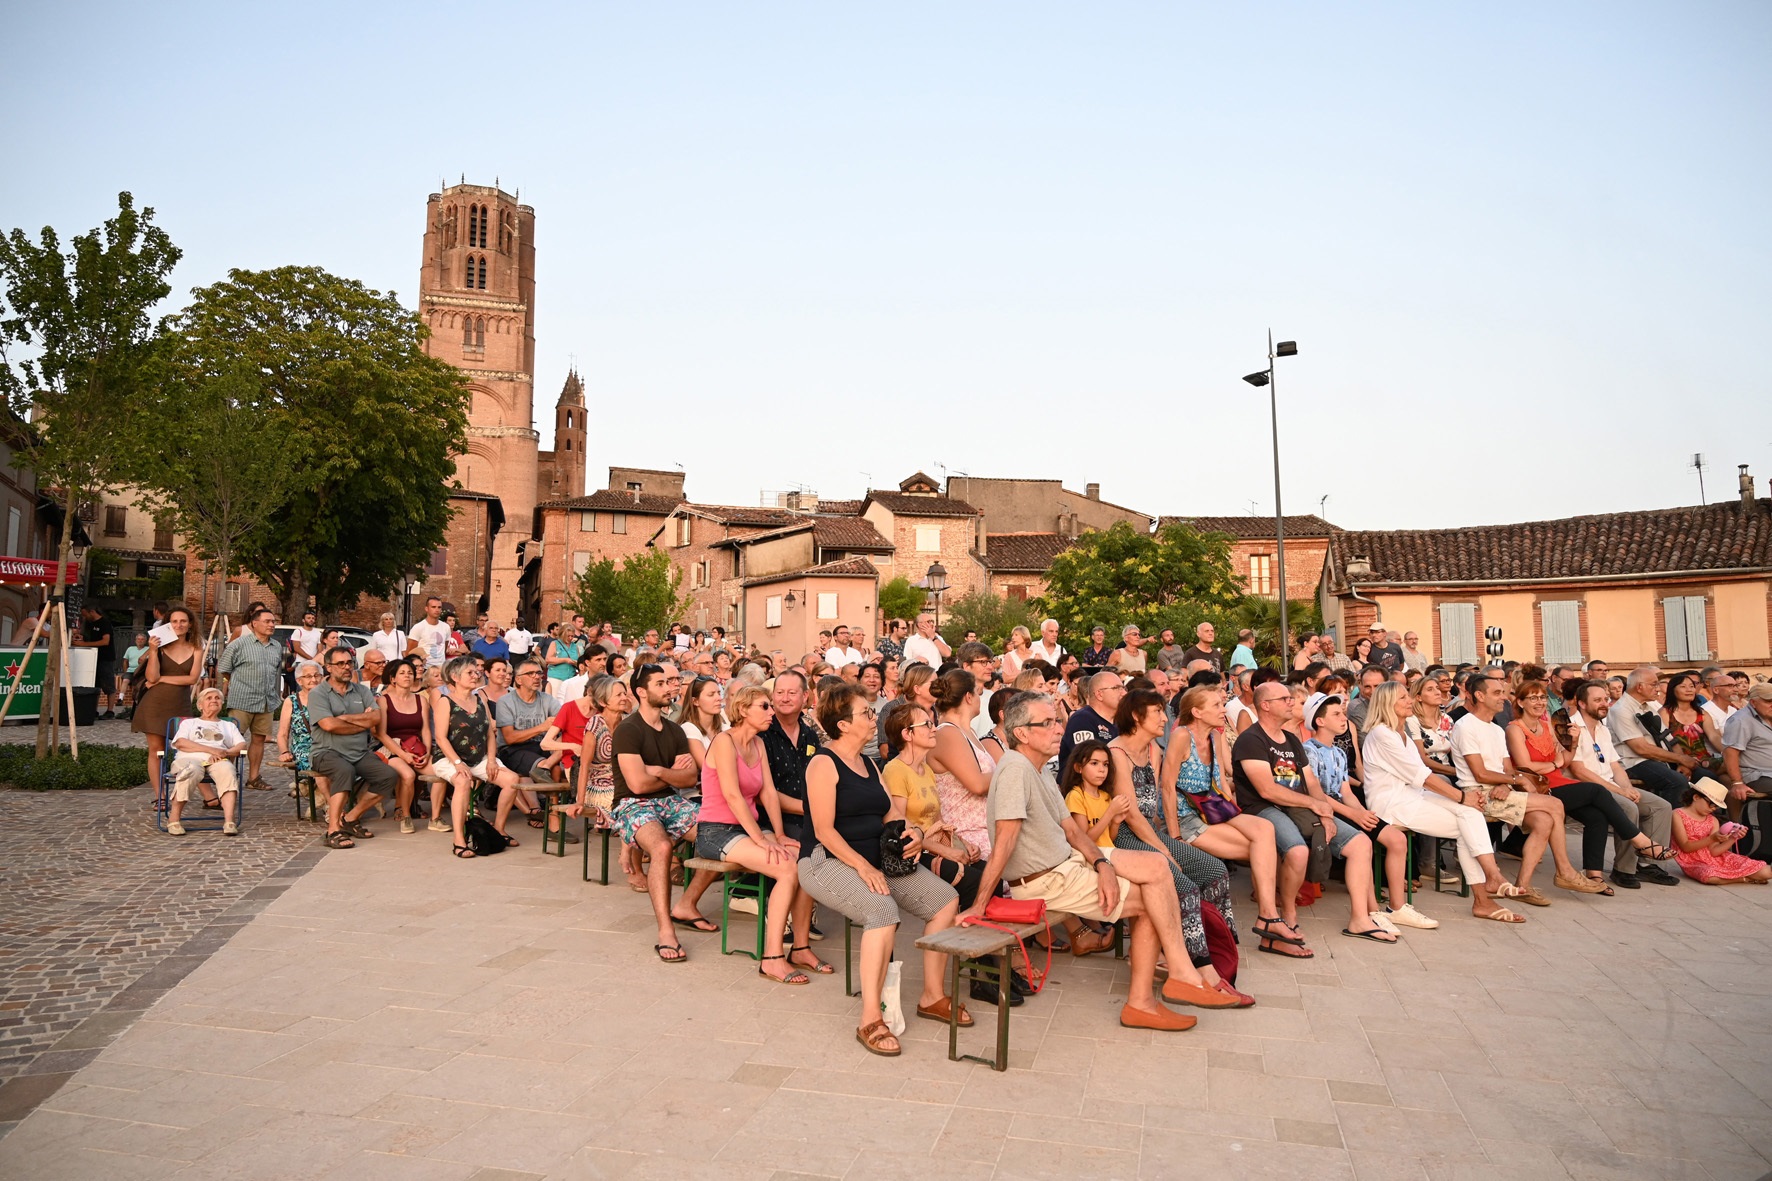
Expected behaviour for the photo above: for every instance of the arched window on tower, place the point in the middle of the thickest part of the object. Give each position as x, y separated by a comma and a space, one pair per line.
482, 283
480, 333
467, 333
467, 277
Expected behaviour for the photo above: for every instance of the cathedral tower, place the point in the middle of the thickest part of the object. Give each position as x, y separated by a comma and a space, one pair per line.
477, 295
562, 474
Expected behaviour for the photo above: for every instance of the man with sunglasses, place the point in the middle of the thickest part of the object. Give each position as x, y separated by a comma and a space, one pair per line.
345, 717
523, 716
1595, 759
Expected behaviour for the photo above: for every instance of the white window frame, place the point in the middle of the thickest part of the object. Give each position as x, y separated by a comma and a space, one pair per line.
1261, 574
772, 611
1560, 621
827, 605
1688, 635
618, 522
581, 561
587, 521
926, 534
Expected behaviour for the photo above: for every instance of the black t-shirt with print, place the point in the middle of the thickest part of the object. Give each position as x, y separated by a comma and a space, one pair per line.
1286, 757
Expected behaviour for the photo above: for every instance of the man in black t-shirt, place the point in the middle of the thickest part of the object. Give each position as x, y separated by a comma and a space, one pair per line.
651, 758
1272, 772
1384, 654
95, 632
1203, 650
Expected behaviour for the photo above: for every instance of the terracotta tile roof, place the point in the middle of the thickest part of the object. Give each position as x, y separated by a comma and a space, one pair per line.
903, 504
849, 567
847, 533
1254, 528
620, 502
741, 514
840, 508
1024, 552
1610, 545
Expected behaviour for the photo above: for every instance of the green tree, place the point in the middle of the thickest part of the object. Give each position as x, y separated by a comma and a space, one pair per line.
82, 320
1112, 577
1262, 616
900, 600
993, 617
644, 592
206, 466
344, 384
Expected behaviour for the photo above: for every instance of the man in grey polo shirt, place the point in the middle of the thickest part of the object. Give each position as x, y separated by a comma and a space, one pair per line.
344, 715
252, 670
1045, 853
1747, 747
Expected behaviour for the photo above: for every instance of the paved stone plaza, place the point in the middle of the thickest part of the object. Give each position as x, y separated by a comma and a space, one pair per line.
395, 1013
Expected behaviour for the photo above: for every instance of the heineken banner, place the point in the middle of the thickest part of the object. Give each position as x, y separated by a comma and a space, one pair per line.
29, 701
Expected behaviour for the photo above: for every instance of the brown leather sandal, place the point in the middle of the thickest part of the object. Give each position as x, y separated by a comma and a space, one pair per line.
873, 1036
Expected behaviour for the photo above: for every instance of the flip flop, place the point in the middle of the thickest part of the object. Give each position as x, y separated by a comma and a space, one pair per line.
1501, 914
659, 949
698, 923
1375, 935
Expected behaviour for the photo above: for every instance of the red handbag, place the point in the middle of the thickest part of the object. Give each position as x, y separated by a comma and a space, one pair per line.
999, 911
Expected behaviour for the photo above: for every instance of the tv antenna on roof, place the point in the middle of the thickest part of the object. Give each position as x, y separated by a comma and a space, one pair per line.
1697, 465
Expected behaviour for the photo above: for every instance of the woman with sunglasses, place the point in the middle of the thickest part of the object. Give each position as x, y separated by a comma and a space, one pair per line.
466, 749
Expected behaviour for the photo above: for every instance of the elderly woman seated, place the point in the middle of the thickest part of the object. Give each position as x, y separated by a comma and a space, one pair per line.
206, 743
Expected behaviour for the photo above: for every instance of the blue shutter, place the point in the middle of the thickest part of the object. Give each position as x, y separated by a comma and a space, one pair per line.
1673, 614
1697, 641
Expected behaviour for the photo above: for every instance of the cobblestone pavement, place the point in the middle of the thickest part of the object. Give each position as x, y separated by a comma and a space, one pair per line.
400, 1014
98, 900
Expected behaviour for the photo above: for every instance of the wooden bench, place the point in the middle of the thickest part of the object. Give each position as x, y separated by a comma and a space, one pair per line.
971, 949
735, 882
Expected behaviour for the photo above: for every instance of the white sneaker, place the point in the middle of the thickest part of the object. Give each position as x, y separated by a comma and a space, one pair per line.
230, 829
175, 829
1408, 916
406, 824
1384, 922
743, 905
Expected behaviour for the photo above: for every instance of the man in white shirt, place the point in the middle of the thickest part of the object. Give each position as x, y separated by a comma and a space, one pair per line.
840, 655
1595, 759
519, 640
389, 640
306, 638
431, 636
1047, 648
926, 647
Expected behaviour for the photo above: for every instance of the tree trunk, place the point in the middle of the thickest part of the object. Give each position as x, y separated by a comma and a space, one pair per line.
49, 708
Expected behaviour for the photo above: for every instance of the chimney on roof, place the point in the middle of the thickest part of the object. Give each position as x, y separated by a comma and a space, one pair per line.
982, 542
1359, 566
1747, 487
1092, 491
636, 488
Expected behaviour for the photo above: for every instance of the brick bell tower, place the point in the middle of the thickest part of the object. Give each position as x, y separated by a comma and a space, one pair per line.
562, 474
477, 295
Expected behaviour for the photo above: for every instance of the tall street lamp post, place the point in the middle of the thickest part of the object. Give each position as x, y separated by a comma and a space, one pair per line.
1286, 348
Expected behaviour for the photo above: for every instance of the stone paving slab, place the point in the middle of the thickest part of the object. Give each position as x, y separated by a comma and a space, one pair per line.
103, 913
396, 1013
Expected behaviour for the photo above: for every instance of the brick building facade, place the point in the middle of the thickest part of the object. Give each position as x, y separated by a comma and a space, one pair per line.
1254, 552
923, 526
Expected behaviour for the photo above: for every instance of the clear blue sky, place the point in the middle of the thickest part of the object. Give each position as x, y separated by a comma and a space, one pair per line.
793, 244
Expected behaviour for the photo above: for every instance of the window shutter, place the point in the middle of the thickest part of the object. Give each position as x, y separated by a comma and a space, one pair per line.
827, 605
1458, 633
1697, 639
1673, 612
772, 611
1562, 631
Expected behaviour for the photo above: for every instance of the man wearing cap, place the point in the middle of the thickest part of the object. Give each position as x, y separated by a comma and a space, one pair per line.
1747, 747
1385, 654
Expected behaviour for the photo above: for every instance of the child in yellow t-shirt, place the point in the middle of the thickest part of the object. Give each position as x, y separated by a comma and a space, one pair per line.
1084, 777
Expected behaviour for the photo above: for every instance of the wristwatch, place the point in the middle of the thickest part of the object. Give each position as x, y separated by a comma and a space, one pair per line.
1101, 861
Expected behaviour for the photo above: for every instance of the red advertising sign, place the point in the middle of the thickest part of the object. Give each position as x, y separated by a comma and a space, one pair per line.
36, 570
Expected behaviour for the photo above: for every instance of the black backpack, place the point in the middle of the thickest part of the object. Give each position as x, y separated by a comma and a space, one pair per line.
482, 838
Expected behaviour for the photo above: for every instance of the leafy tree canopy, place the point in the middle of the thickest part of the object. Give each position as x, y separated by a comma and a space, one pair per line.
900, 600
644, 592
991, 616
1112, 577
341, 381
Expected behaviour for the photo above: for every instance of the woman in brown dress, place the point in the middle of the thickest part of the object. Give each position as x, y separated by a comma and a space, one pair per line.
171, 671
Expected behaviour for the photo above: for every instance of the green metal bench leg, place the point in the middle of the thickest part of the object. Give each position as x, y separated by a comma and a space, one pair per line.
849, 988
995, 970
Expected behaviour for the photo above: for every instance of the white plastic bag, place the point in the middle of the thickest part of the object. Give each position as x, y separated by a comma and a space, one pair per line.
890, 1010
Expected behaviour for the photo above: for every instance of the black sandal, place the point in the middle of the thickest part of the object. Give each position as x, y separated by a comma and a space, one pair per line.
358, 829
465, 851
339, 840
1654, 852
659, 949
1608, 892
1270, 923
794, 977
817, 965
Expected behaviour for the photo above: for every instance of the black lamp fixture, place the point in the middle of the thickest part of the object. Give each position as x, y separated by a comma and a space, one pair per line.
936, 579
790, 601
1265, 377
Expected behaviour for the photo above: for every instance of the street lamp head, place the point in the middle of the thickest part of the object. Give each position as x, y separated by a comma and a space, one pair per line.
1257, 379
937, 577
1286, 348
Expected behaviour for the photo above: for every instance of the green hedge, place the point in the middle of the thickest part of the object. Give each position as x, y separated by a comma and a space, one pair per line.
101, 768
